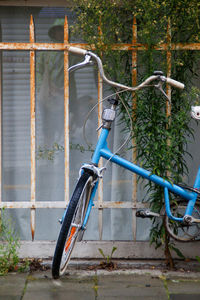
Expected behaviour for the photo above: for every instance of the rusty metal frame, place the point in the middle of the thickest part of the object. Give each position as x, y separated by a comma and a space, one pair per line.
32, 46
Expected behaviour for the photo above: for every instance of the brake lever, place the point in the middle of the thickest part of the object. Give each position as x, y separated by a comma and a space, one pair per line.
160, 88
86, 62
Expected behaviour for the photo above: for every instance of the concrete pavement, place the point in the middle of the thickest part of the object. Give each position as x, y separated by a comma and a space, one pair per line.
145, 284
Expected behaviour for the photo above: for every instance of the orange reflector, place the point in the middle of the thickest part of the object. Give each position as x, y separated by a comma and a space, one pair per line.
68, 242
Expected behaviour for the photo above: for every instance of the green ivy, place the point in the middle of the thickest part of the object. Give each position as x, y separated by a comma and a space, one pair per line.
161, 140
9, 244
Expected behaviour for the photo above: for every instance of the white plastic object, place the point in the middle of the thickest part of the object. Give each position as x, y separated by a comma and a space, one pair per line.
108, 115
195, 112
77, 50
175, 83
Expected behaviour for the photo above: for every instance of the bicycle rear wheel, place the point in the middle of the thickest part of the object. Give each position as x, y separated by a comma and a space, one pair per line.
72, 225
180, 231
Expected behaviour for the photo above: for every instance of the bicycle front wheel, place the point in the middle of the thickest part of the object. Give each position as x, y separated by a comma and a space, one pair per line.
72, 224
181, 231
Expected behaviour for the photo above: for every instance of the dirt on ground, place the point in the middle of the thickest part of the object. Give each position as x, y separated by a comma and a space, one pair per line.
180, 265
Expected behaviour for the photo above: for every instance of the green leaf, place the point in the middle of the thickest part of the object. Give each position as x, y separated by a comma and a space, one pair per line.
178, 252
113, 250
101, 252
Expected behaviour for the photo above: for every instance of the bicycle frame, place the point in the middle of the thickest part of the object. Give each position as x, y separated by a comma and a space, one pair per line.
102, 150
74, 220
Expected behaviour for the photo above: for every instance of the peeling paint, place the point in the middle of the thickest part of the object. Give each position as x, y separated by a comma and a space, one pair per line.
32, 112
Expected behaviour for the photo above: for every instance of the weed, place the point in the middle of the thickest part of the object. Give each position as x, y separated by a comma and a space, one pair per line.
107, 263
9, 245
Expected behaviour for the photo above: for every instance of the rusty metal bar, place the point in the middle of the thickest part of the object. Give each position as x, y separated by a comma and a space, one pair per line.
159, 47
119, 47
33, 205
168, 86
169, 66
66, 111
0, 120
100, 188
61, 204
62, 46
100, 110
34, 46
32, 105
134, 157
120, 204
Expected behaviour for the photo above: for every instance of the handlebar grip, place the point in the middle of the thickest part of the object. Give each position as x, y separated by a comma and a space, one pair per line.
77, 50
175, 83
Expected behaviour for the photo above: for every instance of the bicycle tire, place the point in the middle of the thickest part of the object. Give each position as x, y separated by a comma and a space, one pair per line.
180, 231
74, 215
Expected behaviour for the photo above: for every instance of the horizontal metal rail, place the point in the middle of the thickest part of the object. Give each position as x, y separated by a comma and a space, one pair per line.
119, 47
62, 204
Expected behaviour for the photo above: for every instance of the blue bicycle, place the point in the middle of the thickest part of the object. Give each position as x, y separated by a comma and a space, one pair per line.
182, 219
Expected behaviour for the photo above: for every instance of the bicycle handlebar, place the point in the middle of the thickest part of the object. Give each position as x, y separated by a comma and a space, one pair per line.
77, 50
168, 80
175, 83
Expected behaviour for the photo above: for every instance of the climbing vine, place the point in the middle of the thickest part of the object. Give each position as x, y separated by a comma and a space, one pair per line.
161, 139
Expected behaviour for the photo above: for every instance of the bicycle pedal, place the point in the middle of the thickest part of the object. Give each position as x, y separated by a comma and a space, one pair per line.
146, 213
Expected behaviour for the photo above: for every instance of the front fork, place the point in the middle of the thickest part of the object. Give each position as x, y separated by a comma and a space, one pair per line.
90, 205
96, 173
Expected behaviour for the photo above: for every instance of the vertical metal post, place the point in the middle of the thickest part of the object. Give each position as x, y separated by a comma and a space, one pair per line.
66, 111
100, 188
32, 99
0, 120
134, 83
169, 66
168, 86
